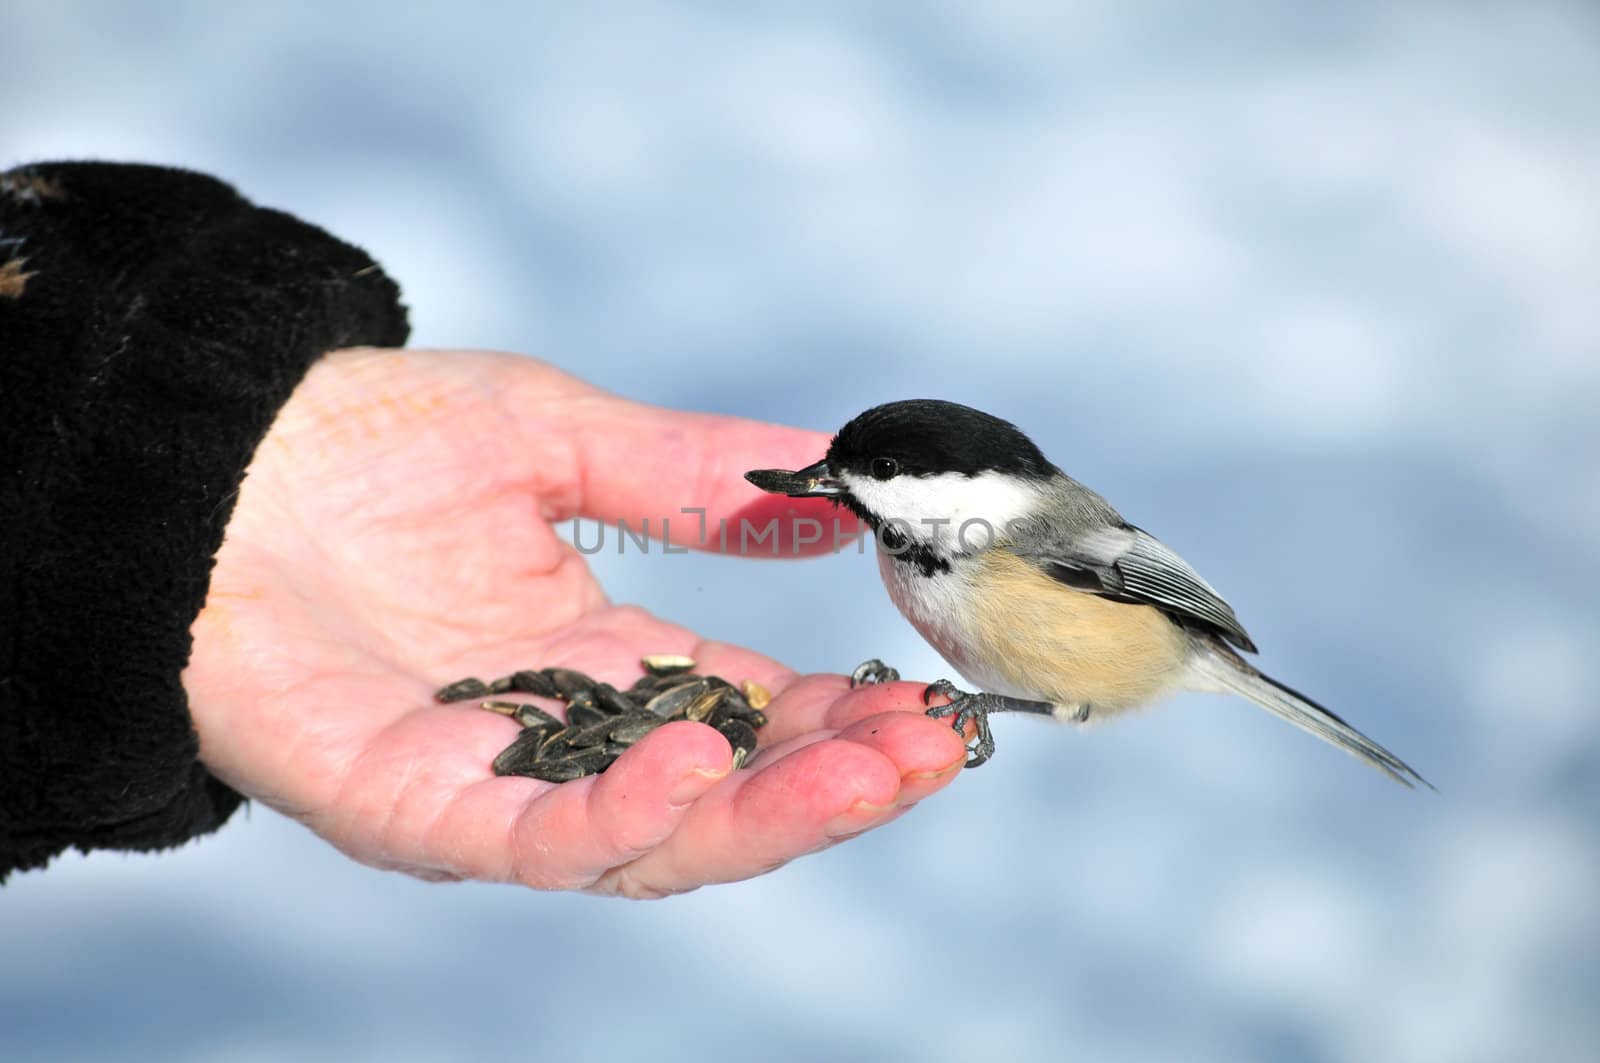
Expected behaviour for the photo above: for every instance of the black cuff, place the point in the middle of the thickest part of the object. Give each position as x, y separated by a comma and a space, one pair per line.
152, 323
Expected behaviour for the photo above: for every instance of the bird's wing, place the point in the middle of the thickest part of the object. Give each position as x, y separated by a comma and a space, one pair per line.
1129, 565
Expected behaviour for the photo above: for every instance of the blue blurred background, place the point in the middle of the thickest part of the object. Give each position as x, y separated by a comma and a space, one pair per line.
1308, 290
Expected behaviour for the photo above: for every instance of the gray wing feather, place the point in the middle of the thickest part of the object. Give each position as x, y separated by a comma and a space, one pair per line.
1128, 564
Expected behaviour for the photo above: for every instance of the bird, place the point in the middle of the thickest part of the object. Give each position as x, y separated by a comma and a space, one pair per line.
1031, 585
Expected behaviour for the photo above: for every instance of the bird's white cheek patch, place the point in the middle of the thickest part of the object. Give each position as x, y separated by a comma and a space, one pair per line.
952, 512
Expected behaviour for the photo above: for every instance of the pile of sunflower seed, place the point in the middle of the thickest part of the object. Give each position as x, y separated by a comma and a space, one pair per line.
602, 721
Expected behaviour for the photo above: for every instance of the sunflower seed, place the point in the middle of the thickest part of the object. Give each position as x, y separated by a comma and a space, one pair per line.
556, 771
554, 747
462, 690
604, 722
528, 681
583, 713
673, 701
593, 759
534, 716
753, 717
757, 695
682, 679
702, 708
593, 734
569, 682
613, 700
742, 737
739, 707
631, 728
781, 481
660, 664
734, 704
544, 732
520, 755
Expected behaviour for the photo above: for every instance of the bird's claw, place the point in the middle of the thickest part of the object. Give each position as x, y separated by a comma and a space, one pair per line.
871, 672
964, 708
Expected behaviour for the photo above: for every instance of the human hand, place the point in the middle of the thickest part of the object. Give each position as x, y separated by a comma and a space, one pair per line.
395, 531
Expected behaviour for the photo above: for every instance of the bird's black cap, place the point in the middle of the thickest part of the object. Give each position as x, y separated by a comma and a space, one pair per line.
929, 436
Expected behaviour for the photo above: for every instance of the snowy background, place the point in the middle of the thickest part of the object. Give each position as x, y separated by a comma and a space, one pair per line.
1311, 291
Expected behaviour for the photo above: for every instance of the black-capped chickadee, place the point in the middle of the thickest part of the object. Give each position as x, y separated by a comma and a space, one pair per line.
1031, 585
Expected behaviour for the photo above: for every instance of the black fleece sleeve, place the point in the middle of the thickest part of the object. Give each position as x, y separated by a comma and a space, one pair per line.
152, 322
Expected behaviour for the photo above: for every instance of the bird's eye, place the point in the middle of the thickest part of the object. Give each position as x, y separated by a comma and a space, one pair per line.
885, 468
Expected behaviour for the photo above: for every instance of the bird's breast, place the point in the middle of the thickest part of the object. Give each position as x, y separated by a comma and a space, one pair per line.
1009, 628
942, 607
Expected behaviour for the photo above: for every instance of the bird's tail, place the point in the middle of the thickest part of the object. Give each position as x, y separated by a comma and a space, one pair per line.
1224, 671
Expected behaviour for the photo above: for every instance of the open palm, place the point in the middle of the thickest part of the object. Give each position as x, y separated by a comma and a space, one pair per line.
395, 532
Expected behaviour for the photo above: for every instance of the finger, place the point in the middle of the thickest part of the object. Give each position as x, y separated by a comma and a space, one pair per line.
753, 822
827, 702
815, 791
638, 462
928, 754
565, 836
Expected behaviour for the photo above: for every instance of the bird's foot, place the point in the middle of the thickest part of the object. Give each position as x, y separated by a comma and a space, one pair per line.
965, 708
870, 672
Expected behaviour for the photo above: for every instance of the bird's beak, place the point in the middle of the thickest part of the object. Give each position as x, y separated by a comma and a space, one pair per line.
813, 481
